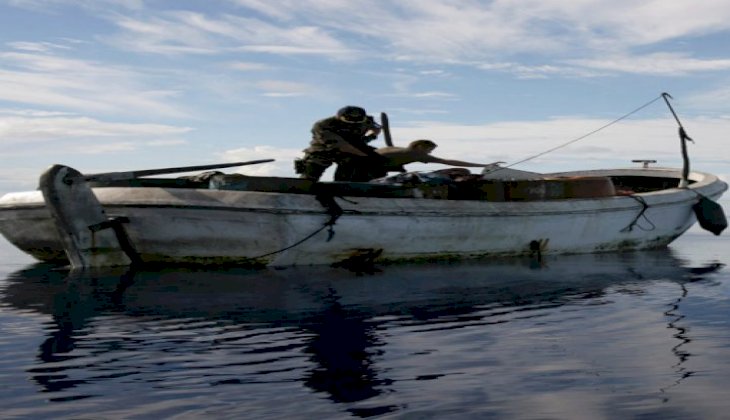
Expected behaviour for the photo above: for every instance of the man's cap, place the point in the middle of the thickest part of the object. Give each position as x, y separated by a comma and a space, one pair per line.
352, 114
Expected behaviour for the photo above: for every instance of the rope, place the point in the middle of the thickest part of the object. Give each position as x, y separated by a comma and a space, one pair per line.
311, 235
641, 214
585, 135
334, 211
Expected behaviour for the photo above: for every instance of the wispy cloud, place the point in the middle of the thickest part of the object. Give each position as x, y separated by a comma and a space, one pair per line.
524, 71
282, 165
33, 113
50, 80
517, 140
36, 46
94, 5
589, 38
283, 88
715, 99
183, 32
668, 64
477, 30
471, 31
56, 132
247, 66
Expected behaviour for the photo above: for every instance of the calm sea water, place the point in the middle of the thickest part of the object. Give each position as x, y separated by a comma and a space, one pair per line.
615, 336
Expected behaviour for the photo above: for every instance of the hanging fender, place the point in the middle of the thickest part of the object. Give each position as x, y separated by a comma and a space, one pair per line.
710, 215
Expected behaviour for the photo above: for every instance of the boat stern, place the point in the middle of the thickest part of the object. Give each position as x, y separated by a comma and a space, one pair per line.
27, 224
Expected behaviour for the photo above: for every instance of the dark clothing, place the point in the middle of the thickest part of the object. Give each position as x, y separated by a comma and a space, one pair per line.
328, 133
333, 141
360, 169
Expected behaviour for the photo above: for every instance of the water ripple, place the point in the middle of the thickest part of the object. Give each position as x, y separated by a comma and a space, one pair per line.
634, 333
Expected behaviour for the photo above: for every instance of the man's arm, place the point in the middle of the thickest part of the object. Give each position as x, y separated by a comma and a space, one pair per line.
336, 142
434, 159
373, 129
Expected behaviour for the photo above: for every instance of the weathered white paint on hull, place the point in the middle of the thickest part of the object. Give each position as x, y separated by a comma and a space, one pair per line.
208, 226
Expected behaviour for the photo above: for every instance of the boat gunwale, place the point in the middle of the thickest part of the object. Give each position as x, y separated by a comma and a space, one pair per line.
21, 201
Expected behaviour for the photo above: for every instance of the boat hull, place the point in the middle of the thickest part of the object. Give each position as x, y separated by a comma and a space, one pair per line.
204, 226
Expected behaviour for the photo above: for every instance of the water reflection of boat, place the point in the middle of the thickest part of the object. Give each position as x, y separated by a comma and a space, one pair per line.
299, 292
330, 316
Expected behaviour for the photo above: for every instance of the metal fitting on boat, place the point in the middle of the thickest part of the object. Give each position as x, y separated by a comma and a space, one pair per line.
645, 162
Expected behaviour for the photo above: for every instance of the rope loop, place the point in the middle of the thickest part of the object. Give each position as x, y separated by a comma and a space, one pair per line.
641, 214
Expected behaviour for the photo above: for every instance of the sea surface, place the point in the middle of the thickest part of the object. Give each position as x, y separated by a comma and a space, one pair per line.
639, 335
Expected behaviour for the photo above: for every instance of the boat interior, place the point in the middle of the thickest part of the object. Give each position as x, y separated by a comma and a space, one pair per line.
443, 186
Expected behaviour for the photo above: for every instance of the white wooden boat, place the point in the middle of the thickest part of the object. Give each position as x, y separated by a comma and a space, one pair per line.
93, 221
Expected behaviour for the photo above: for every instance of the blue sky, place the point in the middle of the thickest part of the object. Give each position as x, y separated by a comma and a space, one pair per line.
109, 85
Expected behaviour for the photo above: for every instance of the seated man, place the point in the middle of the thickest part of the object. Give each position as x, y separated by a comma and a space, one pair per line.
418, 151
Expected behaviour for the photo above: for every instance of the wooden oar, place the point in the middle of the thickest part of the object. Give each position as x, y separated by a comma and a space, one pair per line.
121, 176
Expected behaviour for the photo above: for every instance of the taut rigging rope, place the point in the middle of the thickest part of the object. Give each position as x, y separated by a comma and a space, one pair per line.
585, 135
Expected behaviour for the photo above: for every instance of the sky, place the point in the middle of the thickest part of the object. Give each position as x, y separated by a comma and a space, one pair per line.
116, 85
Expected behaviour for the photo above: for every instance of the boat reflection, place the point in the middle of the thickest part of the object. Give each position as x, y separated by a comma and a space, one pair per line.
331, 318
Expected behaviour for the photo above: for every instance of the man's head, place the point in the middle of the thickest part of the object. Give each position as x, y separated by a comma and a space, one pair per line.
352, 114
423, 145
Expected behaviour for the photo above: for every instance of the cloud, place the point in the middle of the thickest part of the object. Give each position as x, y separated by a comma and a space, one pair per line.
717, 98
429, 31
281, 88
184, 32
523, 71
645, 23
589, 38
32, 113
49, 6
403, 92
50, 80
19, 179
282, 166
248, 66
36, 46
514, 141
433, 94
477, 30
34, 133
668, 64
28, 129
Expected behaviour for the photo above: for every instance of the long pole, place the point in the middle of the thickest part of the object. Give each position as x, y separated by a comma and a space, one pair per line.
119, 176
683, 137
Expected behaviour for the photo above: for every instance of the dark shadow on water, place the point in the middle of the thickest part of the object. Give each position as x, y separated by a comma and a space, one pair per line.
339, 313
342, 349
